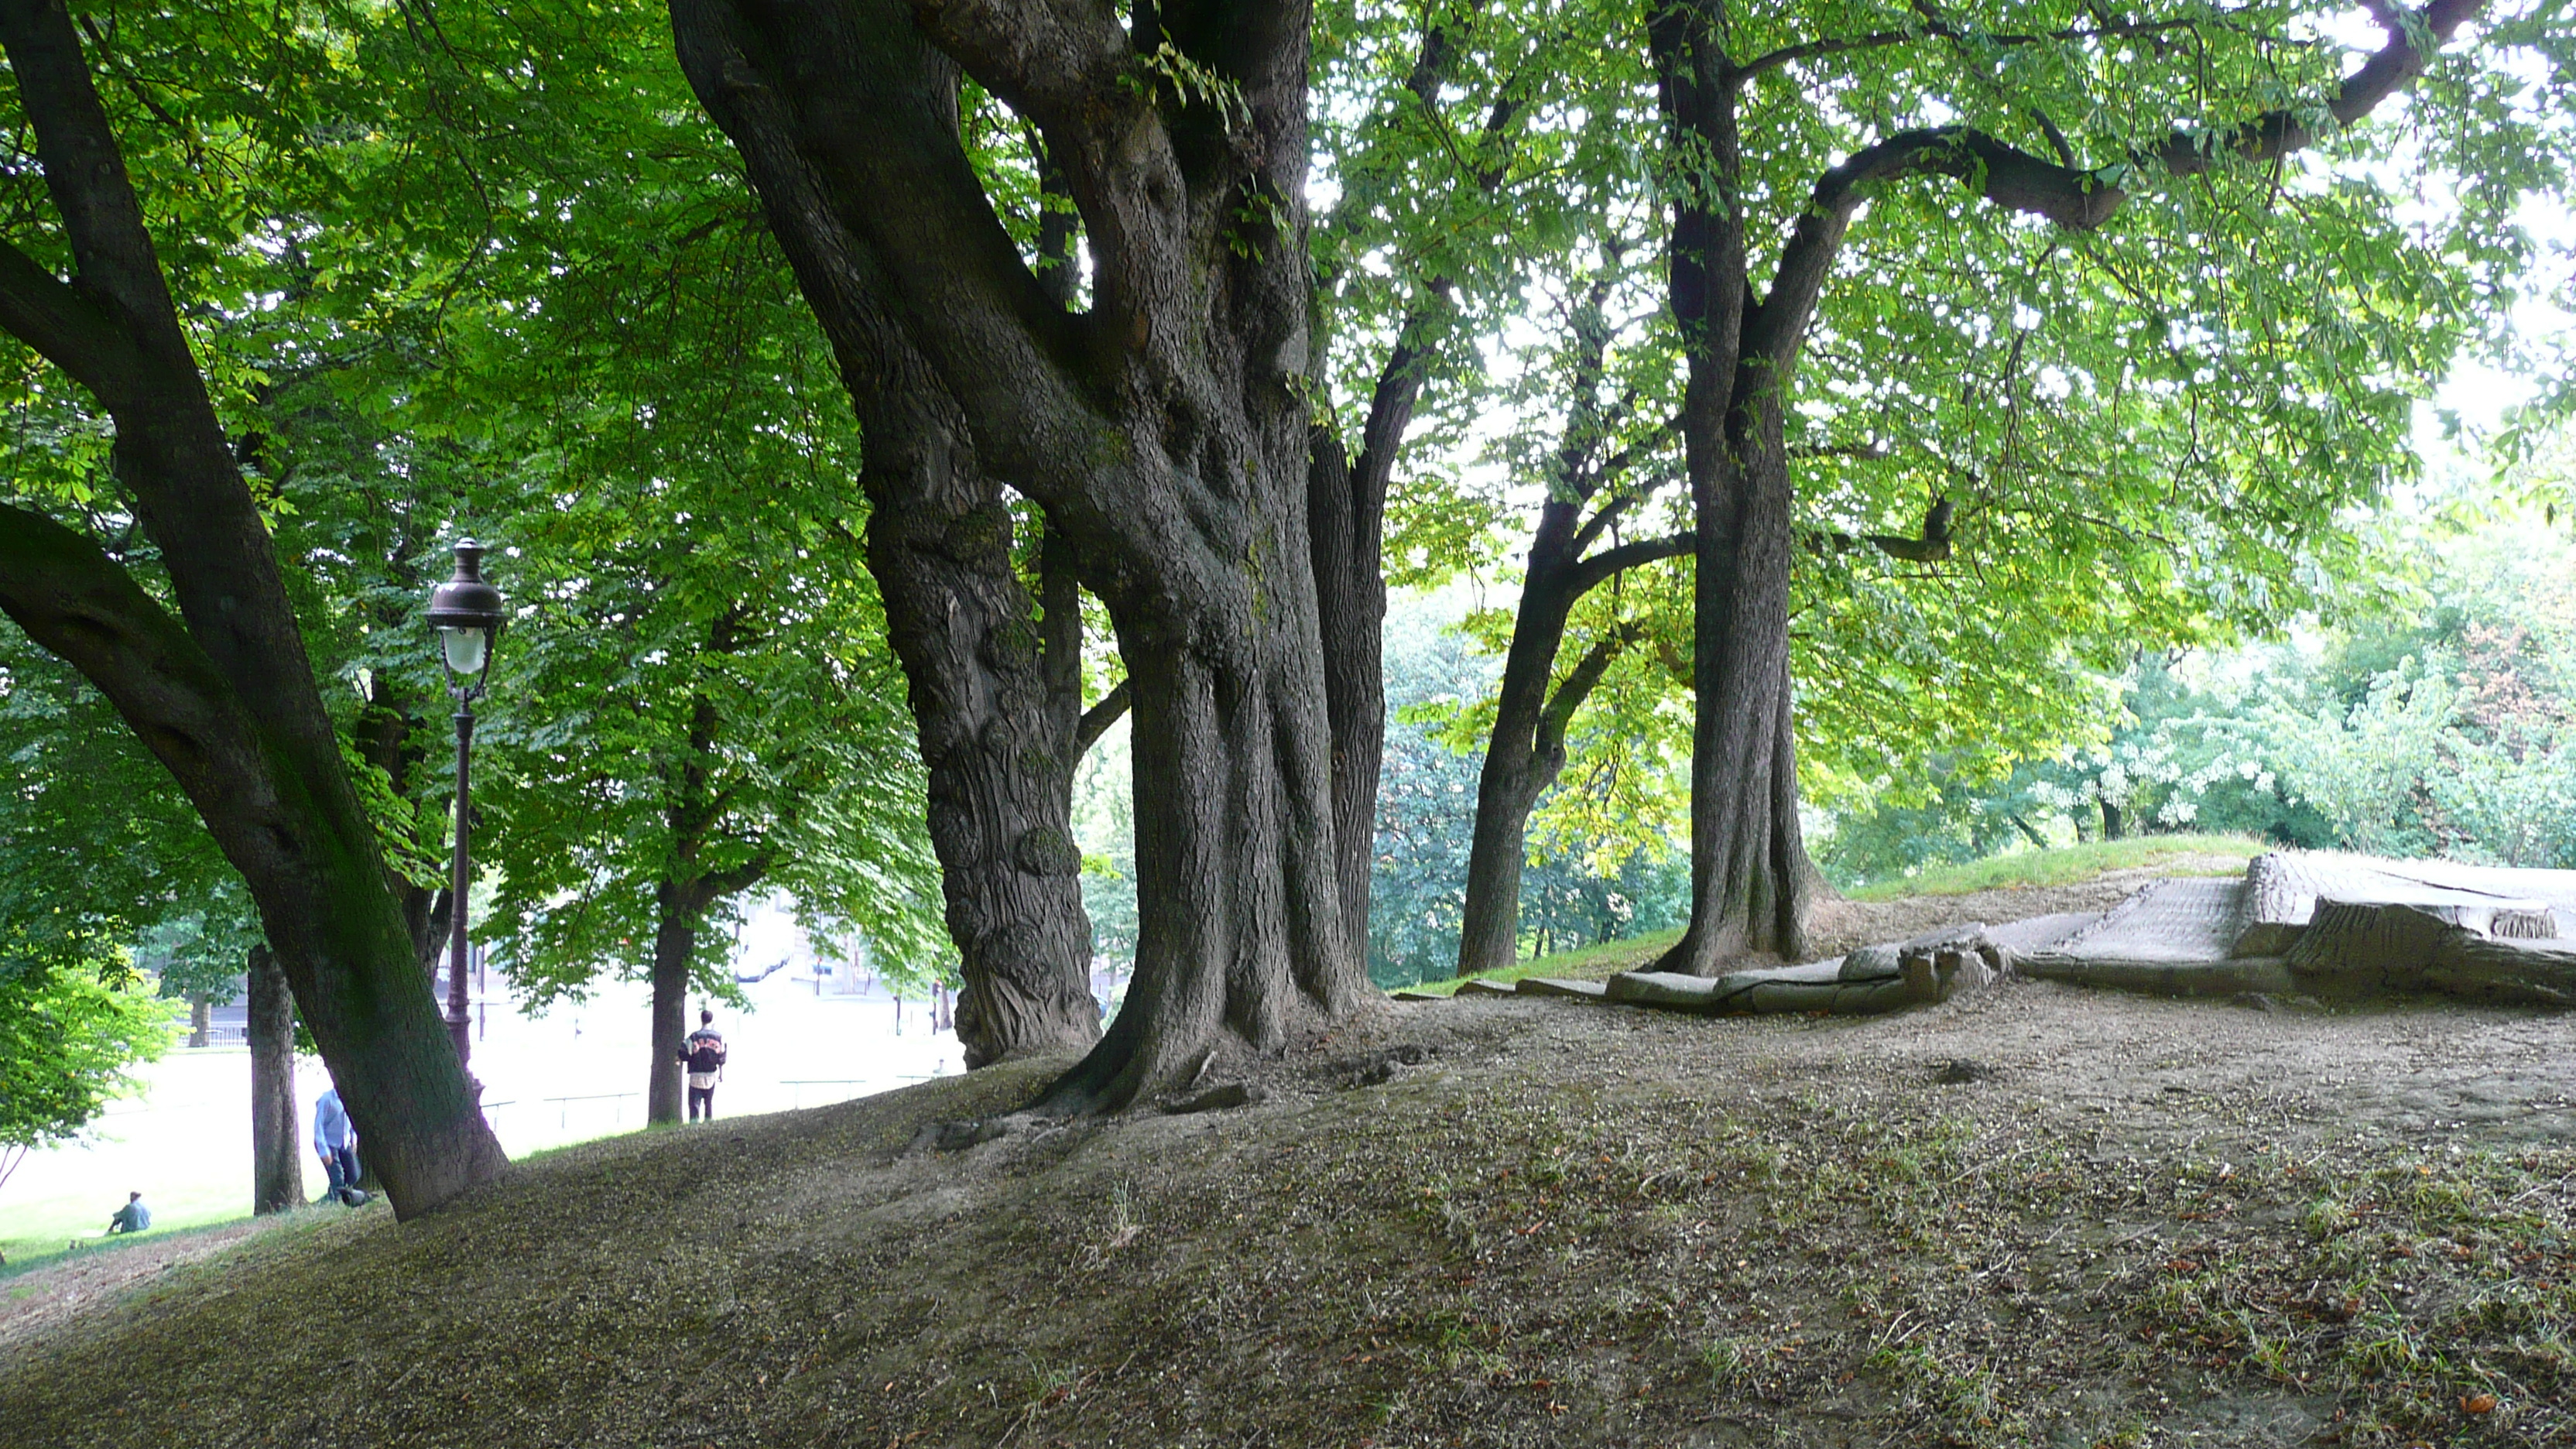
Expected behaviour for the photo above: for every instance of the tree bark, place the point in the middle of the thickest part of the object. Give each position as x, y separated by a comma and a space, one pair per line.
999, 743
227, 702
1750, 877
1349, 524
201, 1019
939, 536
276, 1158
1163, 431
1523, 757
675, 940
1234, 869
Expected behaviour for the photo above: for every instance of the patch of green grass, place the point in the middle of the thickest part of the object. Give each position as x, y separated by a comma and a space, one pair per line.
36, 1229
2066, 865
1591, 963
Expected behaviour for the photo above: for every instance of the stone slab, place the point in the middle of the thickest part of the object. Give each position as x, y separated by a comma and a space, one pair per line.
1668, 989
1559, 986
2235, 976
2283, 889
2040, 933
2180, 922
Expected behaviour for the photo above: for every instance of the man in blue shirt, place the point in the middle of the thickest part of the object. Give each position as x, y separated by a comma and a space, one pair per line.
134, 1217
335, 1141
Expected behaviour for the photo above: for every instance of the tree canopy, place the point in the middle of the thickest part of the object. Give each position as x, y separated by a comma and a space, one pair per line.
1851, 395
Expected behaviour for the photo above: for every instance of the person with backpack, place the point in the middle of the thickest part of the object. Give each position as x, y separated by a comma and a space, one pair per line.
704, 1056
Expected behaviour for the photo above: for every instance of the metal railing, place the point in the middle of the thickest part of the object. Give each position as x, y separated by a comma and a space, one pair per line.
563, 1105
796, 1098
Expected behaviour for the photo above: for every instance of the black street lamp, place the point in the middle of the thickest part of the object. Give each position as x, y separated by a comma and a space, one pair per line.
467, 614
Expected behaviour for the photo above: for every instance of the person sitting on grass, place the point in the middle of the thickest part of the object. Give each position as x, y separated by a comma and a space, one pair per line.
134, 1217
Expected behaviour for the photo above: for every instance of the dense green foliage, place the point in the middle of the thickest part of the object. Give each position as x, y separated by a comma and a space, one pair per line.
496, 276
2438, 717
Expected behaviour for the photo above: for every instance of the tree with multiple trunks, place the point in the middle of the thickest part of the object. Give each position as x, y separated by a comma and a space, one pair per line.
215, 678
1163, 429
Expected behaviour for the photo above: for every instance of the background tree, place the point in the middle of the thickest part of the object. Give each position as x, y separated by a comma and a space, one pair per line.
227, 700
68, 1037
1948, 93
699, 717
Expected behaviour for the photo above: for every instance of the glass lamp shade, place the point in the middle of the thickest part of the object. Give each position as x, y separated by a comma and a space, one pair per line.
466, 649
466, 611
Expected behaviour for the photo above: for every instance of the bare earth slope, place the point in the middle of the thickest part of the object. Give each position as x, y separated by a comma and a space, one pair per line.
1496, 1222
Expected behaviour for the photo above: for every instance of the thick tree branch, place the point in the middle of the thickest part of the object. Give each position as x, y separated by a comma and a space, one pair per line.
894, 242
1049, 60
1610, 469
85, 175
2075, 199
1097, 719
1558, 716
2274, 134
76, 603
1591, 573
2010, 178
70, 329
1399, 388
718, 884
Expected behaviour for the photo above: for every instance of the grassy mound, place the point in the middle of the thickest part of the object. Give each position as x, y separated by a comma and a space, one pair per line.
2034, 1216
2066, 864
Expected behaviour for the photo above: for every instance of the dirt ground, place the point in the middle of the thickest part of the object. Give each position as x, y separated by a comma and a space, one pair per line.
2038, 1215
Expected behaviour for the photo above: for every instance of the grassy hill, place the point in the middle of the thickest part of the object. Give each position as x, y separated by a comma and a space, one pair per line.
2032, 1216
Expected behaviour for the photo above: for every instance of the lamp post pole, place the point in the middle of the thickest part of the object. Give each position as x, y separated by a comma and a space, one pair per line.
457, 1001
467, 613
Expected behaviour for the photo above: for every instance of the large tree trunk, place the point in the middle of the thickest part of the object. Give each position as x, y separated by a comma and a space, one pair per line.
1751, 881
227, 702
675, 939
1162, 432
1750, 878
1347, 515
276, 1157
1241, 942
1515, 774
1000, 758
